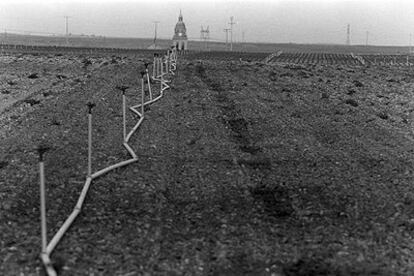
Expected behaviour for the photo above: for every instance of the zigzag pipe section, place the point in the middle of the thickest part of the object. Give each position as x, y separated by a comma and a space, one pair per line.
162, 66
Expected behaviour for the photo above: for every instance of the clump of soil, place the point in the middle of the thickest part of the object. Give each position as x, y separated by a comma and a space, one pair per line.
33, 76
31, 101
351, 102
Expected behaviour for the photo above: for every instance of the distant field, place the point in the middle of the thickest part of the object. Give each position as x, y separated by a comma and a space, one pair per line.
143, 43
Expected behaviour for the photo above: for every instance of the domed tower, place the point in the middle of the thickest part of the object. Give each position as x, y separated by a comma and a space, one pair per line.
180, 40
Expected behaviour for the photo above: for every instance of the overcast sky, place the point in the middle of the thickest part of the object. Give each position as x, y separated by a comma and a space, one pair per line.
389, 22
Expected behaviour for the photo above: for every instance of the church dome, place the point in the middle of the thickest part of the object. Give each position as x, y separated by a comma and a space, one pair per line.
180, 32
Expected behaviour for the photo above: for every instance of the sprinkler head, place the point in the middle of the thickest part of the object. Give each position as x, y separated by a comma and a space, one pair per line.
123, 88
41, 149
146, 65
90, 106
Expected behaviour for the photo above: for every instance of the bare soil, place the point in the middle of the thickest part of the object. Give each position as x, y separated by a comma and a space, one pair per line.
245, 168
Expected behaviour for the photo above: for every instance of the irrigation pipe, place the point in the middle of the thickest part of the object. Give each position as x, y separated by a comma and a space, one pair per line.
163, 86
124, 116
90, 106
130, 150
134, 128
142, 94
47, 248
148, 80
163, 73
110, 168
159, 61
41, 151
154, 73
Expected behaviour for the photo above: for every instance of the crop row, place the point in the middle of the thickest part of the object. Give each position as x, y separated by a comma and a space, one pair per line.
226, 56
315, 58
277, 57
395, 60
15, 48
341, 59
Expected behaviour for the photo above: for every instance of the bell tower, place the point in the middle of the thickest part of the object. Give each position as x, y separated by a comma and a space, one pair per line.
180, 40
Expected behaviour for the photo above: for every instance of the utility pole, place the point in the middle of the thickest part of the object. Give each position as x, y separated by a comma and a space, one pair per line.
348, 35
67, 29
243, 39
155, 33
205, 36
409, 49
231, 32
366, 40
227, 37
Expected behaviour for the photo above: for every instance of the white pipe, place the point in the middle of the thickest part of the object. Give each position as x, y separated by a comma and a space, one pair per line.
164, 83
68, 222
146, 103
153, 69
154, 100
156, 67
166, 86
48, 248
165, 73
169, 63
89, 144
142, 96
124, 115
130, 150
83, 193
149, 84
62, 230
135, 111
48, 265
159, 67
134, 129
110, 168
43, 204
162, 67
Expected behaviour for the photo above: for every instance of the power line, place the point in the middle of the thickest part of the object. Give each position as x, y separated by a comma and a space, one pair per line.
67, 28
243, 39
348, 35
227, 36
205, 36
231, 32
155, 33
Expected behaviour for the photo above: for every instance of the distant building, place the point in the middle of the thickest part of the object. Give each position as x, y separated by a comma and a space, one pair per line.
180, 40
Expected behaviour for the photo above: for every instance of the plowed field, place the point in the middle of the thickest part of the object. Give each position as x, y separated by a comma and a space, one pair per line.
246, 168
